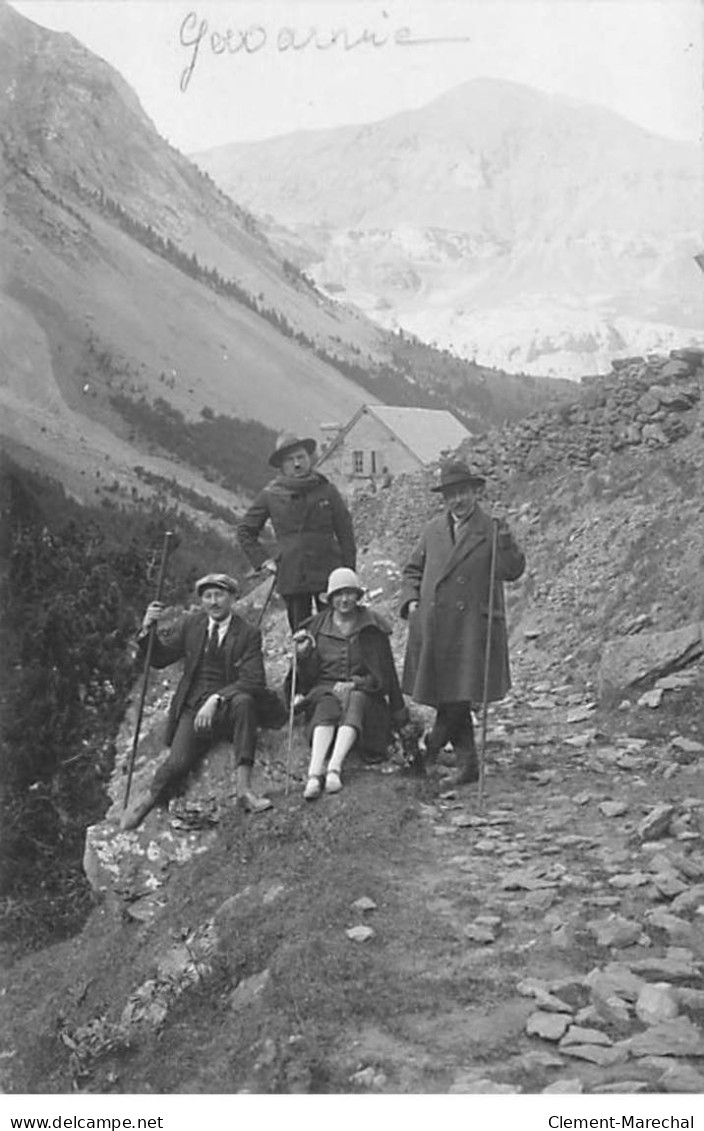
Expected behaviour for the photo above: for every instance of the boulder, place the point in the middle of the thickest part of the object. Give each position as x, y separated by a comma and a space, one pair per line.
632, 660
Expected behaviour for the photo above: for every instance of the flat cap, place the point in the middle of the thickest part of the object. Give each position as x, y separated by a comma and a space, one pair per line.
217, 581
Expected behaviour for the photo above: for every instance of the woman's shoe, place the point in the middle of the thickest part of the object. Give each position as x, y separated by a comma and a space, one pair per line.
313, 789
333, 784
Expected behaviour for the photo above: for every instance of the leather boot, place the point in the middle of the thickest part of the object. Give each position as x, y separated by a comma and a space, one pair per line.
467, 767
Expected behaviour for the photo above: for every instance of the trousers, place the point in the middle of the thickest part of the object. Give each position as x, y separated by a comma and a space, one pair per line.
299, 606
453, 723
236, 721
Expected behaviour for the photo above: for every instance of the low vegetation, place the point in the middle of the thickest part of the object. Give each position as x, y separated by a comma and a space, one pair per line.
75, 581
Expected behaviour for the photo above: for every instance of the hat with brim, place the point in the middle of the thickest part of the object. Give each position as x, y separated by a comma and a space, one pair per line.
455, 472
342, 578
217, 581
287, 443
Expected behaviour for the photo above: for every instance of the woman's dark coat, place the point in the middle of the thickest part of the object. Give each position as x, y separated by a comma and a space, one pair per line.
385, 707
445, 653
313, 530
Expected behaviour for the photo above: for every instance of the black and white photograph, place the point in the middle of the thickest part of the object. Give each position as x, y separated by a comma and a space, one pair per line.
352, 562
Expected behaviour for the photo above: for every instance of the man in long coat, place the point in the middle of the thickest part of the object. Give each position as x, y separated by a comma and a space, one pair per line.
216, 698
312, 526
445, 597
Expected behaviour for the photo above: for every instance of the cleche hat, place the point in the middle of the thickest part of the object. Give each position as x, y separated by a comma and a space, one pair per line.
342, 578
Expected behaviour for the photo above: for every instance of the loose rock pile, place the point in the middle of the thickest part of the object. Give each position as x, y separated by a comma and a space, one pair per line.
640, 402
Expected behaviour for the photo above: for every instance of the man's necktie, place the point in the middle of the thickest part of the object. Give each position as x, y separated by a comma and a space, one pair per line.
213, 641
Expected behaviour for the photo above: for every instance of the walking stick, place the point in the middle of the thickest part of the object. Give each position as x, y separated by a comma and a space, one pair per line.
487, 657
150, 648
267, 602
294, 672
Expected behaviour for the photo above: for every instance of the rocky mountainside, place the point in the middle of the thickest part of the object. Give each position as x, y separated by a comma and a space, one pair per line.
126, 275
526, 230
400, 938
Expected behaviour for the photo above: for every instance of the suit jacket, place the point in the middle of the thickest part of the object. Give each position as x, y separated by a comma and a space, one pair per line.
243, 660
447, 635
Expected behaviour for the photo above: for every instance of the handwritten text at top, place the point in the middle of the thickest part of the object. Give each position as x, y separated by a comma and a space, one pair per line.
195, 33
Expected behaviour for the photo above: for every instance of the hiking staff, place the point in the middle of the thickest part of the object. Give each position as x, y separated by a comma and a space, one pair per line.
487, 658
168, 536
266, 602
291, 711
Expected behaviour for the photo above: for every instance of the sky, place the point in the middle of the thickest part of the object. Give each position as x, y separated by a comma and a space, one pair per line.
241, 70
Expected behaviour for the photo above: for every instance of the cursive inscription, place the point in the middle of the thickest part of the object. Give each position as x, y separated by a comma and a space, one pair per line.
196, 34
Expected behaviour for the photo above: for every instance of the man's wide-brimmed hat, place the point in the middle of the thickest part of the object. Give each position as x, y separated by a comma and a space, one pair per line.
288, 442
217, 581
456, 471
342, 578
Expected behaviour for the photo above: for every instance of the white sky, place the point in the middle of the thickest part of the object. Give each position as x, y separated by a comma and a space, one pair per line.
642, 59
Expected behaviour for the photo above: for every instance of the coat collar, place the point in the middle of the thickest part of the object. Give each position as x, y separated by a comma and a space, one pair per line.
471, 534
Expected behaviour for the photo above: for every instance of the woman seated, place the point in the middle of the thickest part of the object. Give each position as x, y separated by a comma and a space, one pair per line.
346, 682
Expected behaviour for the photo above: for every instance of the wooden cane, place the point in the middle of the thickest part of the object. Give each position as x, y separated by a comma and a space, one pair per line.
487, 659
148, 659
291, 708
267, 602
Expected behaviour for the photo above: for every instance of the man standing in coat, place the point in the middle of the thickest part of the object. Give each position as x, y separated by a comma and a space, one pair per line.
445, 597
312, 525
223, 673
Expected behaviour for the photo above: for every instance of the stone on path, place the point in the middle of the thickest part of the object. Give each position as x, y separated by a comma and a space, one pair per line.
467, 1084
678, 1037
629, 880
537, 1058
687, 745
657, 822
689, 900
360, 933
364, 903
615, 931
613, 808
479, 933
691, 999
577, 1035
652, 698
677, 963
627, 1087
571, 1087
580, 714
582, 798
543, 998
669, 884
597, 1054
549, 1026
682, 1078
656, 1002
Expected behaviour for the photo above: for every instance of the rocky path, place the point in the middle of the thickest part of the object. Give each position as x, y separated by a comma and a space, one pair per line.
577, 895
398, 937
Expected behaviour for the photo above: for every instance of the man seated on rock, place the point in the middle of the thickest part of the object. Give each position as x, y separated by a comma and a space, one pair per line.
215, 699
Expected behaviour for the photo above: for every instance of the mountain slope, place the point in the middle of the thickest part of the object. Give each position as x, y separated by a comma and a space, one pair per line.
502, 221
134, 276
